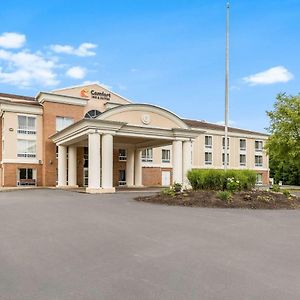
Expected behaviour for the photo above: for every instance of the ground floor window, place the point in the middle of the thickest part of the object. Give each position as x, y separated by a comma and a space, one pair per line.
26, 148
26, 176
259, 178
122, 155
122, 177
223, 158
242, 160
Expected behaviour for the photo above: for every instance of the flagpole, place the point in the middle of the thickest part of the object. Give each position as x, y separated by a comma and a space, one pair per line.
226, 85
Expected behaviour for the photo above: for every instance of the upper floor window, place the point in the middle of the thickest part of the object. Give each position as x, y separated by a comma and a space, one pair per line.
92, 114
26, 125
242, 144
147, 155
63, 122
165, 155
258, 145
208, 158
258, 160
26, 148
122, 154
208, 141
223, 143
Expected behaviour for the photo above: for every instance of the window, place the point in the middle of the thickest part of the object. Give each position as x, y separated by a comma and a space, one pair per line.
85, 157
92, 114
223, 142
223, 158
122, 177
26, 148
122, 154
26, 125
258, 145
208, 158
242, 160
242, 144
165, 155
147, 155
27, 177
258, 161
258, 178
208, 141
63, 122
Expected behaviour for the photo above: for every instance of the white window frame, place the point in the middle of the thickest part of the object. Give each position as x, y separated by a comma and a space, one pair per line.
122, 157
26, 154
147, 155
243, 148
259, 142
208, 138
261, 177
122, 182
243, 164
66, 121
259, 162
223, 158
167, 157
206, 161
26, 129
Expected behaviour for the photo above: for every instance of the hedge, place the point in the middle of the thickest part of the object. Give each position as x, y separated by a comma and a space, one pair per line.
210, 179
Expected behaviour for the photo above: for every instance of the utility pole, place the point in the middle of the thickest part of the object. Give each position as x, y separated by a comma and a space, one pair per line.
226, 85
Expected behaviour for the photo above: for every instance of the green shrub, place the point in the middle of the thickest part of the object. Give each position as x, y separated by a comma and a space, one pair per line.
225, 196
168, 192
286, 193
210, 179
276, 188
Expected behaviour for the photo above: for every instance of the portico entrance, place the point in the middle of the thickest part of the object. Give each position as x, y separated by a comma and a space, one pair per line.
133, 127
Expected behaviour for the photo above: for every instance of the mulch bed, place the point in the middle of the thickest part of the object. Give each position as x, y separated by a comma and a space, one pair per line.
255, 199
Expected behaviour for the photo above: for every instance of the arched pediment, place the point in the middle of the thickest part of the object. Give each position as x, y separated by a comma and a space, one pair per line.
144, 115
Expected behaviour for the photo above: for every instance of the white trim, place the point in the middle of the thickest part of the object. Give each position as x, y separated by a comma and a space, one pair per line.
43, 96
22, 109
21, 161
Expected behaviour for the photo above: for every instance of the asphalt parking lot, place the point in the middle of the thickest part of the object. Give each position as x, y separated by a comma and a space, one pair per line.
66, 245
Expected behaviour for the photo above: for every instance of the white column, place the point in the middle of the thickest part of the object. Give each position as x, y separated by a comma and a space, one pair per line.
72, 166
138, 167
130, 167
107, 163
186, 162
94, 163
62, 166
177, 161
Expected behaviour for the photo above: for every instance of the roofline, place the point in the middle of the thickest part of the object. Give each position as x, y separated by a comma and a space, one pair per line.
223, 126
94, 83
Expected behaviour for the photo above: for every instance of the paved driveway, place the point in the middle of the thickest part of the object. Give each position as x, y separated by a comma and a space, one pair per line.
66, 245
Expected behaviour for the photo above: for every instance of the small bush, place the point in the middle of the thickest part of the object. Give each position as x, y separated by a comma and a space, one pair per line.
168, 192
177, 187
206, 179
225, 196
286, 193
276, 188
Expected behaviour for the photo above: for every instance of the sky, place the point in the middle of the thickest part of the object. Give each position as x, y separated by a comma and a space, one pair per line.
167, 53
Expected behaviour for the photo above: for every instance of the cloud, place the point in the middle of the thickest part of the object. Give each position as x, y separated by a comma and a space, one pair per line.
26, 69
84, 49
12, 40
76, 72
273, 75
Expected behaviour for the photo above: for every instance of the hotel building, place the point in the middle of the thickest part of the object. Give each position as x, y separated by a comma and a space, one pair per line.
91, 137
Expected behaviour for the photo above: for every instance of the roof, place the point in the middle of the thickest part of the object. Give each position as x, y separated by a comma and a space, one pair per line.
18, 97
212, 126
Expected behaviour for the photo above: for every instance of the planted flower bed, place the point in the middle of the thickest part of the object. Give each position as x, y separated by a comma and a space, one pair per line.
224, 189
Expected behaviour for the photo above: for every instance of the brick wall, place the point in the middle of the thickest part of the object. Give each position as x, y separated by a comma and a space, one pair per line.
10, 173
51, 111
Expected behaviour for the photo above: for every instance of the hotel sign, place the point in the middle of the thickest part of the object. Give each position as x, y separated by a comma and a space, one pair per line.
95, 94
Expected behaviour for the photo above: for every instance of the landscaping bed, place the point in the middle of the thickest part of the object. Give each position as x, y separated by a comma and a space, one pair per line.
254, 199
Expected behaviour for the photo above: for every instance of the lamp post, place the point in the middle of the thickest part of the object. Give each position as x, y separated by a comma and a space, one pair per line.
226, 85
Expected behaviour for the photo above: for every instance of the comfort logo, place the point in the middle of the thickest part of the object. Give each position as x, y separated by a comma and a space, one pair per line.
84, 93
